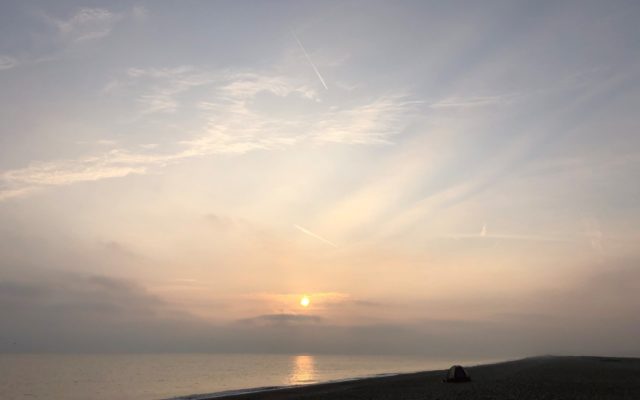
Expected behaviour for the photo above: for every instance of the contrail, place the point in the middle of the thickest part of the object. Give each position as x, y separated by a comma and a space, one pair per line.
309, 59
308, 232
535, 238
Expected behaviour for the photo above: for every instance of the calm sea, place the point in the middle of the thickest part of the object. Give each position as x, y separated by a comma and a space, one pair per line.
161, 376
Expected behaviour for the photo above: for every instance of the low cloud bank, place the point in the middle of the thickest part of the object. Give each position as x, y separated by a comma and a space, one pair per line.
70, 312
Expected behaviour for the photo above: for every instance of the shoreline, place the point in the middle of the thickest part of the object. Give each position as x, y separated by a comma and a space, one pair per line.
552, 377
232, 393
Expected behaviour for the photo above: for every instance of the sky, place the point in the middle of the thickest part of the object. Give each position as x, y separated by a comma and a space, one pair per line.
437, 177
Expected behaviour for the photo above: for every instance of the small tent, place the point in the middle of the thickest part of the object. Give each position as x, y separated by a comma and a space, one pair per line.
457, 374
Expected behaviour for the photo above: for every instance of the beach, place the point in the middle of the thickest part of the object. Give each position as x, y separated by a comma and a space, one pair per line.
547, 378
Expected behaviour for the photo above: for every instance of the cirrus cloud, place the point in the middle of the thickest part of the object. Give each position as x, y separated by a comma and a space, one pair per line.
233, 122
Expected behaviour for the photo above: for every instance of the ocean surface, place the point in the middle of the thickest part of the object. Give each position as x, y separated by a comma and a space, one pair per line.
162, 376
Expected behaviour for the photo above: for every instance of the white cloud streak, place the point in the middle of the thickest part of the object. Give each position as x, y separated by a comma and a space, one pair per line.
309, 59
7, 62
87, 24
168, 84
509, 236
477, 101
233, 125
594, 235
314, 235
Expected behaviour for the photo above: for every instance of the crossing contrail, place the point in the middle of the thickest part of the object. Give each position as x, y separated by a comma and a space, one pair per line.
308, 232
309, 59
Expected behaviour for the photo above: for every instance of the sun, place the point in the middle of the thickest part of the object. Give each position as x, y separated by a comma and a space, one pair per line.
304, 301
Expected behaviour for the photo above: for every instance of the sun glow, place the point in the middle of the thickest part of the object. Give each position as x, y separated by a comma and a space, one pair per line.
304, 301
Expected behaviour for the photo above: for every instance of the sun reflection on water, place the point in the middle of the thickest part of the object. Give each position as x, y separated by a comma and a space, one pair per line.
302, 370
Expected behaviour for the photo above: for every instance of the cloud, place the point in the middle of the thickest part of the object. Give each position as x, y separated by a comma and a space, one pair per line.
106, 142
234, 123
14, 291
83, 25
71, 291
140, 12
61, 311
48, 310
9, 193
369, 303
70, 296
112, 164
87, 24
318, 299
281, 319
7, 62
477, 101
313, 235
239, 87
594, 235
166, 84
511, 236
315, 69
374, 122
118, 249
220, 221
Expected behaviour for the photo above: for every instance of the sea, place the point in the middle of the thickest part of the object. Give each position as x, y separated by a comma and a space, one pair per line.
184, 376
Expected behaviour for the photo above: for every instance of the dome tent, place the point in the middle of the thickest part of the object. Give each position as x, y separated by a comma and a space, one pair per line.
457, 374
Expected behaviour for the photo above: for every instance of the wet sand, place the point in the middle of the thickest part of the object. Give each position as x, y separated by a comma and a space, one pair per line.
548, 378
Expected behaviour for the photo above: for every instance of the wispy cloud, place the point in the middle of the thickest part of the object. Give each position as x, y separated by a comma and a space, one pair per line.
109, 165
246, 85
139, 12
315, 69
165, 85
477, 101
281, 319
375, 122
8, 62
594, 234
485, 234
510, 236
9, 193
233, 124
314, 235
86, 24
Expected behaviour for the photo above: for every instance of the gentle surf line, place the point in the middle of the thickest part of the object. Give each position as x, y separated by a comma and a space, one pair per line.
238, 392
263, 389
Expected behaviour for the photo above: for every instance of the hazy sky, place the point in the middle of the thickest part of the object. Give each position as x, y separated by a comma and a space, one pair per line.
438, 177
